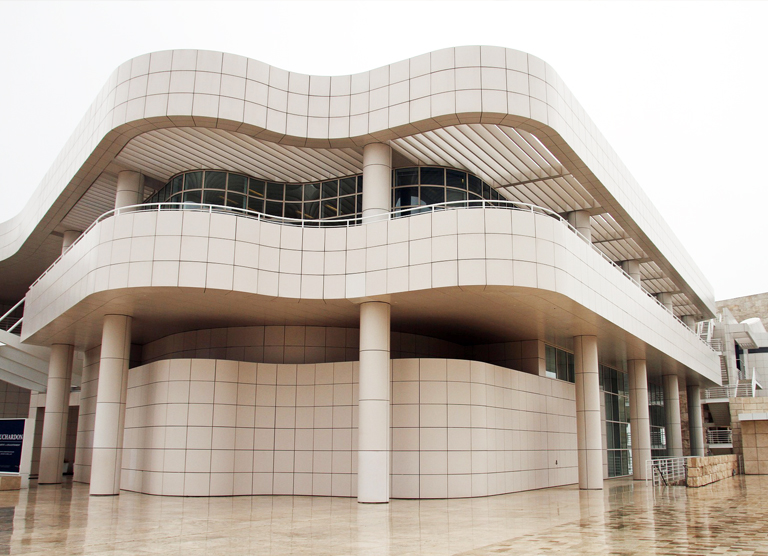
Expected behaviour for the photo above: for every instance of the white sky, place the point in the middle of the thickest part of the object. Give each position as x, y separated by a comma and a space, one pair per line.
678, 89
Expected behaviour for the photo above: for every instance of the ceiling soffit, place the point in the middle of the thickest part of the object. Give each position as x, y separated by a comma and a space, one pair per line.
511, 160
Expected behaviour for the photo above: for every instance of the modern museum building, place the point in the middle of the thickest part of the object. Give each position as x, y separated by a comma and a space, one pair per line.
434, 279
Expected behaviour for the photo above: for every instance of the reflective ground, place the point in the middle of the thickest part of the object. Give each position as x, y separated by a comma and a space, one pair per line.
729, 517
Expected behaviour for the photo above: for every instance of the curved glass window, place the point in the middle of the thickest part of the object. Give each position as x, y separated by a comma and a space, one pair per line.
342, 198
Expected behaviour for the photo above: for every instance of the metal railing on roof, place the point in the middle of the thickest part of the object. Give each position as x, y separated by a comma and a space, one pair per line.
356, 221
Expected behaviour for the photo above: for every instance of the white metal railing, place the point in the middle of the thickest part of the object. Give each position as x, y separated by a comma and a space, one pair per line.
716, 344
8, 321
719, 436
743, 390
349, 222
667, 471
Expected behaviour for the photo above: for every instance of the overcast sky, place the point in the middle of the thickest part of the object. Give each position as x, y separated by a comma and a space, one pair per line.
678, 89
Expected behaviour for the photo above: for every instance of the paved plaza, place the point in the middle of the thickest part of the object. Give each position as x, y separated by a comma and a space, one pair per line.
729, 517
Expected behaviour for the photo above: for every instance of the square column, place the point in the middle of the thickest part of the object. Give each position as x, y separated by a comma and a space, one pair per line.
672, 411
639, 418
107, 456
588, 434
373, 431
56, 414
695, 424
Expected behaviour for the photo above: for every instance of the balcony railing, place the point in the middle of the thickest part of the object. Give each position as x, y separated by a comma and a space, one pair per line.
745, 389
719, 436
356, 221
11, 320
667, 471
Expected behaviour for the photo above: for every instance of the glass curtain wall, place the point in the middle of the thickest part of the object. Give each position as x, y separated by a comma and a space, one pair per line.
559, 364
615, 387
658, 420
324, 200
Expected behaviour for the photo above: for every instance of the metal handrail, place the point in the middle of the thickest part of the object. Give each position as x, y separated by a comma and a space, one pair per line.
11, 310
729, 391
350, 222
719, 436
667, 471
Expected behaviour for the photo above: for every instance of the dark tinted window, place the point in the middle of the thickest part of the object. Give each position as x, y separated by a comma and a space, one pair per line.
432, 176
275, 191
406, 176
215, 180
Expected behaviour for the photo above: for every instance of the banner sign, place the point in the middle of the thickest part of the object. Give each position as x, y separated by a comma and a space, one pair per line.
11, 440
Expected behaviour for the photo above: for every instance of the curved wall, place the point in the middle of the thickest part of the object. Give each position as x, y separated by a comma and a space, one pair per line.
459, 428
497, 248
449, 87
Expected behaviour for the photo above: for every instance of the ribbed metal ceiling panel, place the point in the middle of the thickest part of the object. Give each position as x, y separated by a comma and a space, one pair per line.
511, 160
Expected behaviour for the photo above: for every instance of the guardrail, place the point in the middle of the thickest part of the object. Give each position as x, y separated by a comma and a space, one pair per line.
10, 322
667, 471
719, 436
349, 222
743, 390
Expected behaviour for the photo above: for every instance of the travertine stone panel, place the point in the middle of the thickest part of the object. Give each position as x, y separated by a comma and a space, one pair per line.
706, 470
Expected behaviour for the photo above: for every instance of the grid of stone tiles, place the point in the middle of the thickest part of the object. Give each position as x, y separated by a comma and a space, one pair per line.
728, 517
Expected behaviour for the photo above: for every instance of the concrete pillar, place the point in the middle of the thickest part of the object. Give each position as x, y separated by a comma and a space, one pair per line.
633, 269
130, 189
639, 418
666, 300
110, 405
672, 411
581, 220
588, 437
56, 414
690, 321
374, 409
695, 425
377, 179
69, 238
88, 391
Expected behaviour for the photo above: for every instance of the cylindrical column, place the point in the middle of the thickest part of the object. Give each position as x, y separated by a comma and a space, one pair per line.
581, 220
377, 179
130, 189
690, 321
373, 409
695, 425
672, 412
69, 238
88, 391
633, 269
588, 437
108, 427
56, 414
639, 419
666, 300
